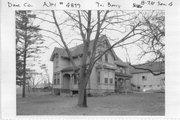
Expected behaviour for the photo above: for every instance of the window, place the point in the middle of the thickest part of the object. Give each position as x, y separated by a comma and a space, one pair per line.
58, 79
105, 80
54, 79
123, 71
75, 79
98, 77
111, 80
57, 60
106, 57
144, 78
99, 53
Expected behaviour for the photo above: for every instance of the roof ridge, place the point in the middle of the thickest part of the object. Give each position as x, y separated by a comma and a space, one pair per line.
82, 43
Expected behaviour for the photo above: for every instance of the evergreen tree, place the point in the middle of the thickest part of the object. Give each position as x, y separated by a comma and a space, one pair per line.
28, 45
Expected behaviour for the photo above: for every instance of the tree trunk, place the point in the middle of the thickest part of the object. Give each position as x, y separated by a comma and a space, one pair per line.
82, 100
85, 99
24, 66
24, 76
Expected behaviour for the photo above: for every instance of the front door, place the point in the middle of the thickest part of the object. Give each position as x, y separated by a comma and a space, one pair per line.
66, 81
119, 85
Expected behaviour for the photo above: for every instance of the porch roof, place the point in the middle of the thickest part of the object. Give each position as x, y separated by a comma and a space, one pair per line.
100, 66
119, 74
67, 69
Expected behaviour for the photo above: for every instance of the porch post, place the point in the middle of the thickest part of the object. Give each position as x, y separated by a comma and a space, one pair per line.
71, 81
71, 84
125, 86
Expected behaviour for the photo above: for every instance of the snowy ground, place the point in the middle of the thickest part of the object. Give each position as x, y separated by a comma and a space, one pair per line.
121, 104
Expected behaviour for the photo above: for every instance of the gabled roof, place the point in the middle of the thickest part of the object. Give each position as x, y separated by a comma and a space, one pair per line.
155, 67
78, 50
75, 51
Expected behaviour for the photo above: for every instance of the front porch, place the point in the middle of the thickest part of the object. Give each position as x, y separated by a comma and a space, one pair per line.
122, 82
68, 83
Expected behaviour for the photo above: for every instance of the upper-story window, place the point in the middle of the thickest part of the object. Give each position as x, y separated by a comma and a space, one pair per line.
99, 53
98, 77
121, 70
106, 57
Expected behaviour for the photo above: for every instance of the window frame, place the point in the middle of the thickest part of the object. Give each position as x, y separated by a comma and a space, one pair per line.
111, 80
58, 78
55, 79
144, 78
106, 80
98, 77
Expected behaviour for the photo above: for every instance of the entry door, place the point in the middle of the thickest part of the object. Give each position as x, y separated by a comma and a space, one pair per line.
66, 81
119, 85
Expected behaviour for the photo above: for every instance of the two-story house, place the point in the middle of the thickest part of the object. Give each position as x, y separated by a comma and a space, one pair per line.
109, 74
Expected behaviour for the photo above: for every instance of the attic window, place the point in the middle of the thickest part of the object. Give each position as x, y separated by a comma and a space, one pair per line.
57, 63
56, 55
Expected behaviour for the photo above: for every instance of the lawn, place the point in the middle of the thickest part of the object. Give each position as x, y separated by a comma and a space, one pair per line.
119, 104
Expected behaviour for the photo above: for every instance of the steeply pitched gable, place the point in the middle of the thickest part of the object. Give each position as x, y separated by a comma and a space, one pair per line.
78, 51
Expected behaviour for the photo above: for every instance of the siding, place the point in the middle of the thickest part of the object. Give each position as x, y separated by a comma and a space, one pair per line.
151, 81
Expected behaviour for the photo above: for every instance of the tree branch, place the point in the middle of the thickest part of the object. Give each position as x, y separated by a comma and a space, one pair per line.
63, 41
155, 74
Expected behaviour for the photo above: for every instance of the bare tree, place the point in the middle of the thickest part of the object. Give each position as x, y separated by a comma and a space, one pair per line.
91, 25
152, 43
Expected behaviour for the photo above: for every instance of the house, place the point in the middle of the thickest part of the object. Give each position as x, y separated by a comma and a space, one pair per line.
109, 74
144, 80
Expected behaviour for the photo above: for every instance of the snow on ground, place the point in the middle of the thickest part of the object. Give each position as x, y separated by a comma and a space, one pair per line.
119, 104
